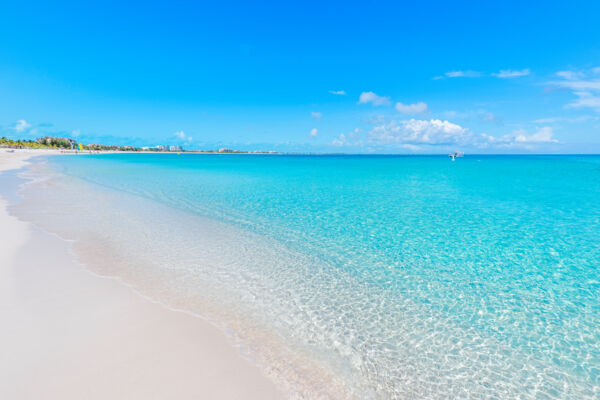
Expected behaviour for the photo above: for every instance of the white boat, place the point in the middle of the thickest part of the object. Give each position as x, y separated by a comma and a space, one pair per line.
456, 154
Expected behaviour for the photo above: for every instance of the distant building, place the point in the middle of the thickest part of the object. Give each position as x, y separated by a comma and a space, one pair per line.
56, 141
225, 150
161, 147
175, 148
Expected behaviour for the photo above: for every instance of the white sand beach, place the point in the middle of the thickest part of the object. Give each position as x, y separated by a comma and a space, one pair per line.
69, 334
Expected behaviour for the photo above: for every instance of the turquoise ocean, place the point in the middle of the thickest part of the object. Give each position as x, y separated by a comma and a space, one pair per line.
356, 276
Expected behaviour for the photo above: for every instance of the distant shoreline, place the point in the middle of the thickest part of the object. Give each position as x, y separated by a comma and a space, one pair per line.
51, 151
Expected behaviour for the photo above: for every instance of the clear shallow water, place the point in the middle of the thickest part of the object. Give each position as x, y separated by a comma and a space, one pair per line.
381, 277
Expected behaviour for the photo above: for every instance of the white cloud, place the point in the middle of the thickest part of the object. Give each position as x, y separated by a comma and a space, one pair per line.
510, 73
487, 116
338, 92
520, 138
339, 141
413, 131
370, 97
411, 147
350, 139
314, 132
463, 74
316, 115
584, 87
569, 74
375, 119
21, 125
355, 133
76, 133
543, 135
416, 108
579, 84
182, 136
549, 120
586, 99
576, 80
435, 134
451, 114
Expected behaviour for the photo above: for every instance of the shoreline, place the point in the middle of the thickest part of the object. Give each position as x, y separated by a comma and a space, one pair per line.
80, 335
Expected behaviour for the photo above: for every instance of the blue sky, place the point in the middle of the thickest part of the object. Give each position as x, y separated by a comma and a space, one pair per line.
383, 77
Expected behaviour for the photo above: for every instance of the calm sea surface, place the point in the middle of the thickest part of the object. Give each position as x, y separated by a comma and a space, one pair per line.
398, 277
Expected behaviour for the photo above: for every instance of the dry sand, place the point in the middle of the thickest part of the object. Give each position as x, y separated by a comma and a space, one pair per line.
68, 334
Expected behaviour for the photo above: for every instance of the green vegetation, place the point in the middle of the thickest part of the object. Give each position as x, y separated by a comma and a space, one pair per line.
50, 142
61, 143
4, 141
